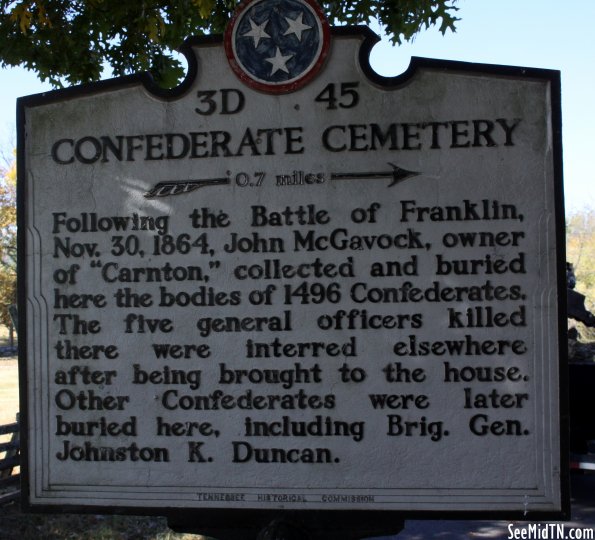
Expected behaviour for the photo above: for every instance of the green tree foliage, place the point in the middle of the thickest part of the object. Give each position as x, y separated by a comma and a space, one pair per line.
8, 242
70, 41
580, 251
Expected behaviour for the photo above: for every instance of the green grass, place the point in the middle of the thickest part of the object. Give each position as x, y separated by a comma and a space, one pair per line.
14, 525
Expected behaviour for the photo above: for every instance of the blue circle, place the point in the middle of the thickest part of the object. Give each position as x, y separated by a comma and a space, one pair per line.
303, 52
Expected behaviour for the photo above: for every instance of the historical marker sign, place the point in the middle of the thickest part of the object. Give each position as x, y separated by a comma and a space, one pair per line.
295, 284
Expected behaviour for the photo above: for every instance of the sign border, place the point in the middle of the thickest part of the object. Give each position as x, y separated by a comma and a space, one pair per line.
211, 520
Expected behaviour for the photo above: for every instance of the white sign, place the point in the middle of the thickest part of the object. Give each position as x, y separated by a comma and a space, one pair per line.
341, 296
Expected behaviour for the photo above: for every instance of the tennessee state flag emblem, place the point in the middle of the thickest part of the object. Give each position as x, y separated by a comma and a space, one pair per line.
277, 46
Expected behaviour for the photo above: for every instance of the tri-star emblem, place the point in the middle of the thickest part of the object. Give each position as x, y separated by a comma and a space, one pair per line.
277, 46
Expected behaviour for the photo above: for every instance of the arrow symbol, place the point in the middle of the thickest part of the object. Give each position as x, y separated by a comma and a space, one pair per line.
180, 187
396, 175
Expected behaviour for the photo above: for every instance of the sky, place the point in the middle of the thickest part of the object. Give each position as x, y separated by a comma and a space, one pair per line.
530, 33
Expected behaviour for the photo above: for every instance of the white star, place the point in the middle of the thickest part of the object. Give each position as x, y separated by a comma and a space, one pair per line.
296, 26
278, 62
257, 32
